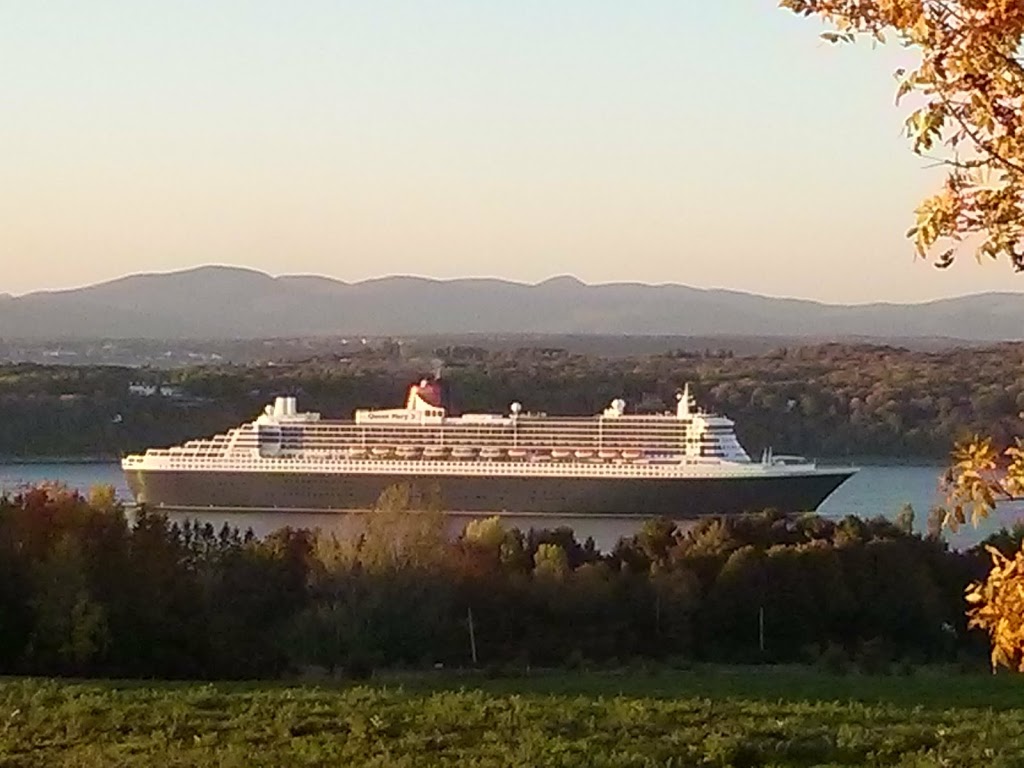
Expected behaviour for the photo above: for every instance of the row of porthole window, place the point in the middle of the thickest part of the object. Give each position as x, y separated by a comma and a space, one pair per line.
484, 468
600, 472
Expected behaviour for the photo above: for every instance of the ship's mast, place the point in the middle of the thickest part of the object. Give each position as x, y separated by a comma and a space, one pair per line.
685, 404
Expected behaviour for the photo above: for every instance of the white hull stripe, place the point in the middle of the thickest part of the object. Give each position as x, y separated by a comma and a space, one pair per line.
419, 468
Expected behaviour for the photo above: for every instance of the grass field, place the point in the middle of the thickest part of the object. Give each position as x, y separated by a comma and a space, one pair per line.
713, 717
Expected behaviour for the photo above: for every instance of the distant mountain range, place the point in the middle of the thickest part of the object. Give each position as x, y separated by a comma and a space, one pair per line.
226, 302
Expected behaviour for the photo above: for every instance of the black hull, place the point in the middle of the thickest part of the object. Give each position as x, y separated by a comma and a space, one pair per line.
308, 492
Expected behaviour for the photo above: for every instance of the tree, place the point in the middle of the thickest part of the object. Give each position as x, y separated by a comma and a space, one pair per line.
976, 481
71, 627
970, 84
981, 475
905, 519
405, 527
487, 532
970, 119
997, 607
381, 596
550, 562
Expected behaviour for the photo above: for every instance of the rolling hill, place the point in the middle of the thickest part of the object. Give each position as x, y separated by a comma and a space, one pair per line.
227, 302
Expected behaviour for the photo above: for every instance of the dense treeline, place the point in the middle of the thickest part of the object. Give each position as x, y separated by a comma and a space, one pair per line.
84, 592
828, 400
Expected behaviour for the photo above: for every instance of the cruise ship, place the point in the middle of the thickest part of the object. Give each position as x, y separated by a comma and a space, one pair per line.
682, 463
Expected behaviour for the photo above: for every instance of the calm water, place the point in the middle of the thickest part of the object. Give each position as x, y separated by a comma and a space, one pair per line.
875, 490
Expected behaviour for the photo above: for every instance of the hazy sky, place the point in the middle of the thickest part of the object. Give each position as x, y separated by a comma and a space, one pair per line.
717, 144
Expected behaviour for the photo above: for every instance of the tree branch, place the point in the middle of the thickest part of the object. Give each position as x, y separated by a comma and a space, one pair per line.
972, 134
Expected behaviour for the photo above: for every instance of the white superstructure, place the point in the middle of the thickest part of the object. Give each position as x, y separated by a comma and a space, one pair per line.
421, 439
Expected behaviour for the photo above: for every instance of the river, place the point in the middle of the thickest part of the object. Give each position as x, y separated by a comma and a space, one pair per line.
878, 489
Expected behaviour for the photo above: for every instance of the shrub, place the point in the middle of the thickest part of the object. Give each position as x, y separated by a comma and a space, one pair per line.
834, 659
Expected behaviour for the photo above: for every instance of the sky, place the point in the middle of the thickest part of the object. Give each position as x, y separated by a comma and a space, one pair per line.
716, 144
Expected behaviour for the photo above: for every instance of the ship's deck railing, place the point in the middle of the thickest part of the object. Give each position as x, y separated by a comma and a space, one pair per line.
556, 427
475, 467
671, 451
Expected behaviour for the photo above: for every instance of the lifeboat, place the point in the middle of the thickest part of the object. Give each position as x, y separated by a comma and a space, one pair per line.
517, 453
631, 454
584, 453
355, 453
407, 451
463, 452
490, 453
381, 451
608, 454
434, 451
560, 453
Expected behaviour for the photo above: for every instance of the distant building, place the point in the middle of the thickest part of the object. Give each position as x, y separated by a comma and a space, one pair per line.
142, 390
139, 389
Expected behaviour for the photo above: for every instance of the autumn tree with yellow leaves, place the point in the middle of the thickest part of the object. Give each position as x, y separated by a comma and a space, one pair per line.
968, 116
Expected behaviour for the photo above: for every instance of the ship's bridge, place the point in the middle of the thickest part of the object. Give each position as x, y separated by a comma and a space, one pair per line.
422, 406
707, 434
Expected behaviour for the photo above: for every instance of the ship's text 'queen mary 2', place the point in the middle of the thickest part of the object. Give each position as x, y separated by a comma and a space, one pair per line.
679, 464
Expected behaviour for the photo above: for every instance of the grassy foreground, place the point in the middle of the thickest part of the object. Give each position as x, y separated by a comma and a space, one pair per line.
705, 717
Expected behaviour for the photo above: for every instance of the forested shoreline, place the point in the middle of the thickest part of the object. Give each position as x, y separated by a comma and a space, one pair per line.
825, 401
86, 593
